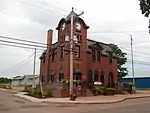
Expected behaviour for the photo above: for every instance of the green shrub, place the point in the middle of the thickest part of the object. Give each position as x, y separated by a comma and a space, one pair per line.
48, 93
93, 90
35, 91
3, 86
103, 88
27, 88
8, 87
110, 90
98, 90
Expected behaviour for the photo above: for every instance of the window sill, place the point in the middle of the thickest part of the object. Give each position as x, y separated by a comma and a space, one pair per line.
75, 58
53, 61
96, 62
61, 59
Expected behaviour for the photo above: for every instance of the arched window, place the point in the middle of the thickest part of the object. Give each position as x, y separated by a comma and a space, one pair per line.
77, 74
90, 76
61, 75
96, 76
102, 77
52, 76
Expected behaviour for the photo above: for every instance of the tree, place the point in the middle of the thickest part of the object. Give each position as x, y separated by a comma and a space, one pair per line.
145, 7
121, 60
5, 80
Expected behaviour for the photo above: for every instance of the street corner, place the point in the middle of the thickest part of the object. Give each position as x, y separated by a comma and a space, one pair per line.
26, 97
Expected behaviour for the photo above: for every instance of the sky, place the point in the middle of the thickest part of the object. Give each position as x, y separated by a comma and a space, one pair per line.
110, 21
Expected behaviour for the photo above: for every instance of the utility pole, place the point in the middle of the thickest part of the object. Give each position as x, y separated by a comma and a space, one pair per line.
71, 53
149, 25
34, 68
132, 61
71, 56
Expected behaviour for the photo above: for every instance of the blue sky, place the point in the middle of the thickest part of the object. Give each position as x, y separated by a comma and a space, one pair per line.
110, 21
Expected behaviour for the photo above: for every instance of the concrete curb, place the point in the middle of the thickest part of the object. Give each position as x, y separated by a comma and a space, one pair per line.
22, 97
76, 102
32, 99
137, 97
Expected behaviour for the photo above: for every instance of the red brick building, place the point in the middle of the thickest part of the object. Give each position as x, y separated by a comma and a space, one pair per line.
93, 61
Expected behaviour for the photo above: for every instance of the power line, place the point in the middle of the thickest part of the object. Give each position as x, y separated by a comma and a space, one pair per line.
29, 41
5, 37
18, 46
22, 43
134, 51
39, 8
41, 44
139, 62
22, 63
18, 64
115, 32
25, 63
139, 56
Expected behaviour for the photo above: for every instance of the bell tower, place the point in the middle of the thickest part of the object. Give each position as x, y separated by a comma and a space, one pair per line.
79, 29
79, 43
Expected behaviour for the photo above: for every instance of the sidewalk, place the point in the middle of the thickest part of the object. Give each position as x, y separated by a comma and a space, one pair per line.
88, 100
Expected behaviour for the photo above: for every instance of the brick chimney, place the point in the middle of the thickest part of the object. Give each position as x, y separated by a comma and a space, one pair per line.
49, 38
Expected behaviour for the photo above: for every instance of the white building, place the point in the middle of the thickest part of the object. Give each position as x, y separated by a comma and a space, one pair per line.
25, 80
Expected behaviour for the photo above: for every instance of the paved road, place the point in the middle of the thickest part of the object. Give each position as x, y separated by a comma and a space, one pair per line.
12, 104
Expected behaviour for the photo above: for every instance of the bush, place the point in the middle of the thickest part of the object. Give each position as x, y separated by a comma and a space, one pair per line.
35, 92
103, 88
48, 93
3, 86
93, 90
8, 87
98, 90
27, 88
110, 90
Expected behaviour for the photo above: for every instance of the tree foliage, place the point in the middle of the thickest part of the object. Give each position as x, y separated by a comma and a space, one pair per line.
4, 80
121, 60
145, 7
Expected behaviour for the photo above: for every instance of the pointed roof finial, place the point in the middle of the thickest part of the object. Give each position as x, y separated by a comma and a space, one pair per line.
72, 8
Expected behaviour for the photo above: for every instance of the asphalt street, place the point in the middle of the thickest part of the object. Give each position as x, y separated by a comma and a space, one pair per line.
12, 104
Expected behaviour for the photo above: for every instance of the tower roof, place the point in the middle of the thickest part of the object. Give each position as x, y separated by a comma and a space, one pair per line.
71, 13
68, 19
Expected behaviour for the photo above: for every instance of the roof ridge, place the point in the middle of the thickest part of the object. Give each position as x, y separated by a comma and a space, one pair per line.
97, 41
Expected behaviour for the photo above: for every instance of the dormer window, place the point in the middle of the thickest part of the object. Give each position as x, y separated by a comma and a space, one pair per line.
62, 51
110, 58
53, 55
93, 55
98, 55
